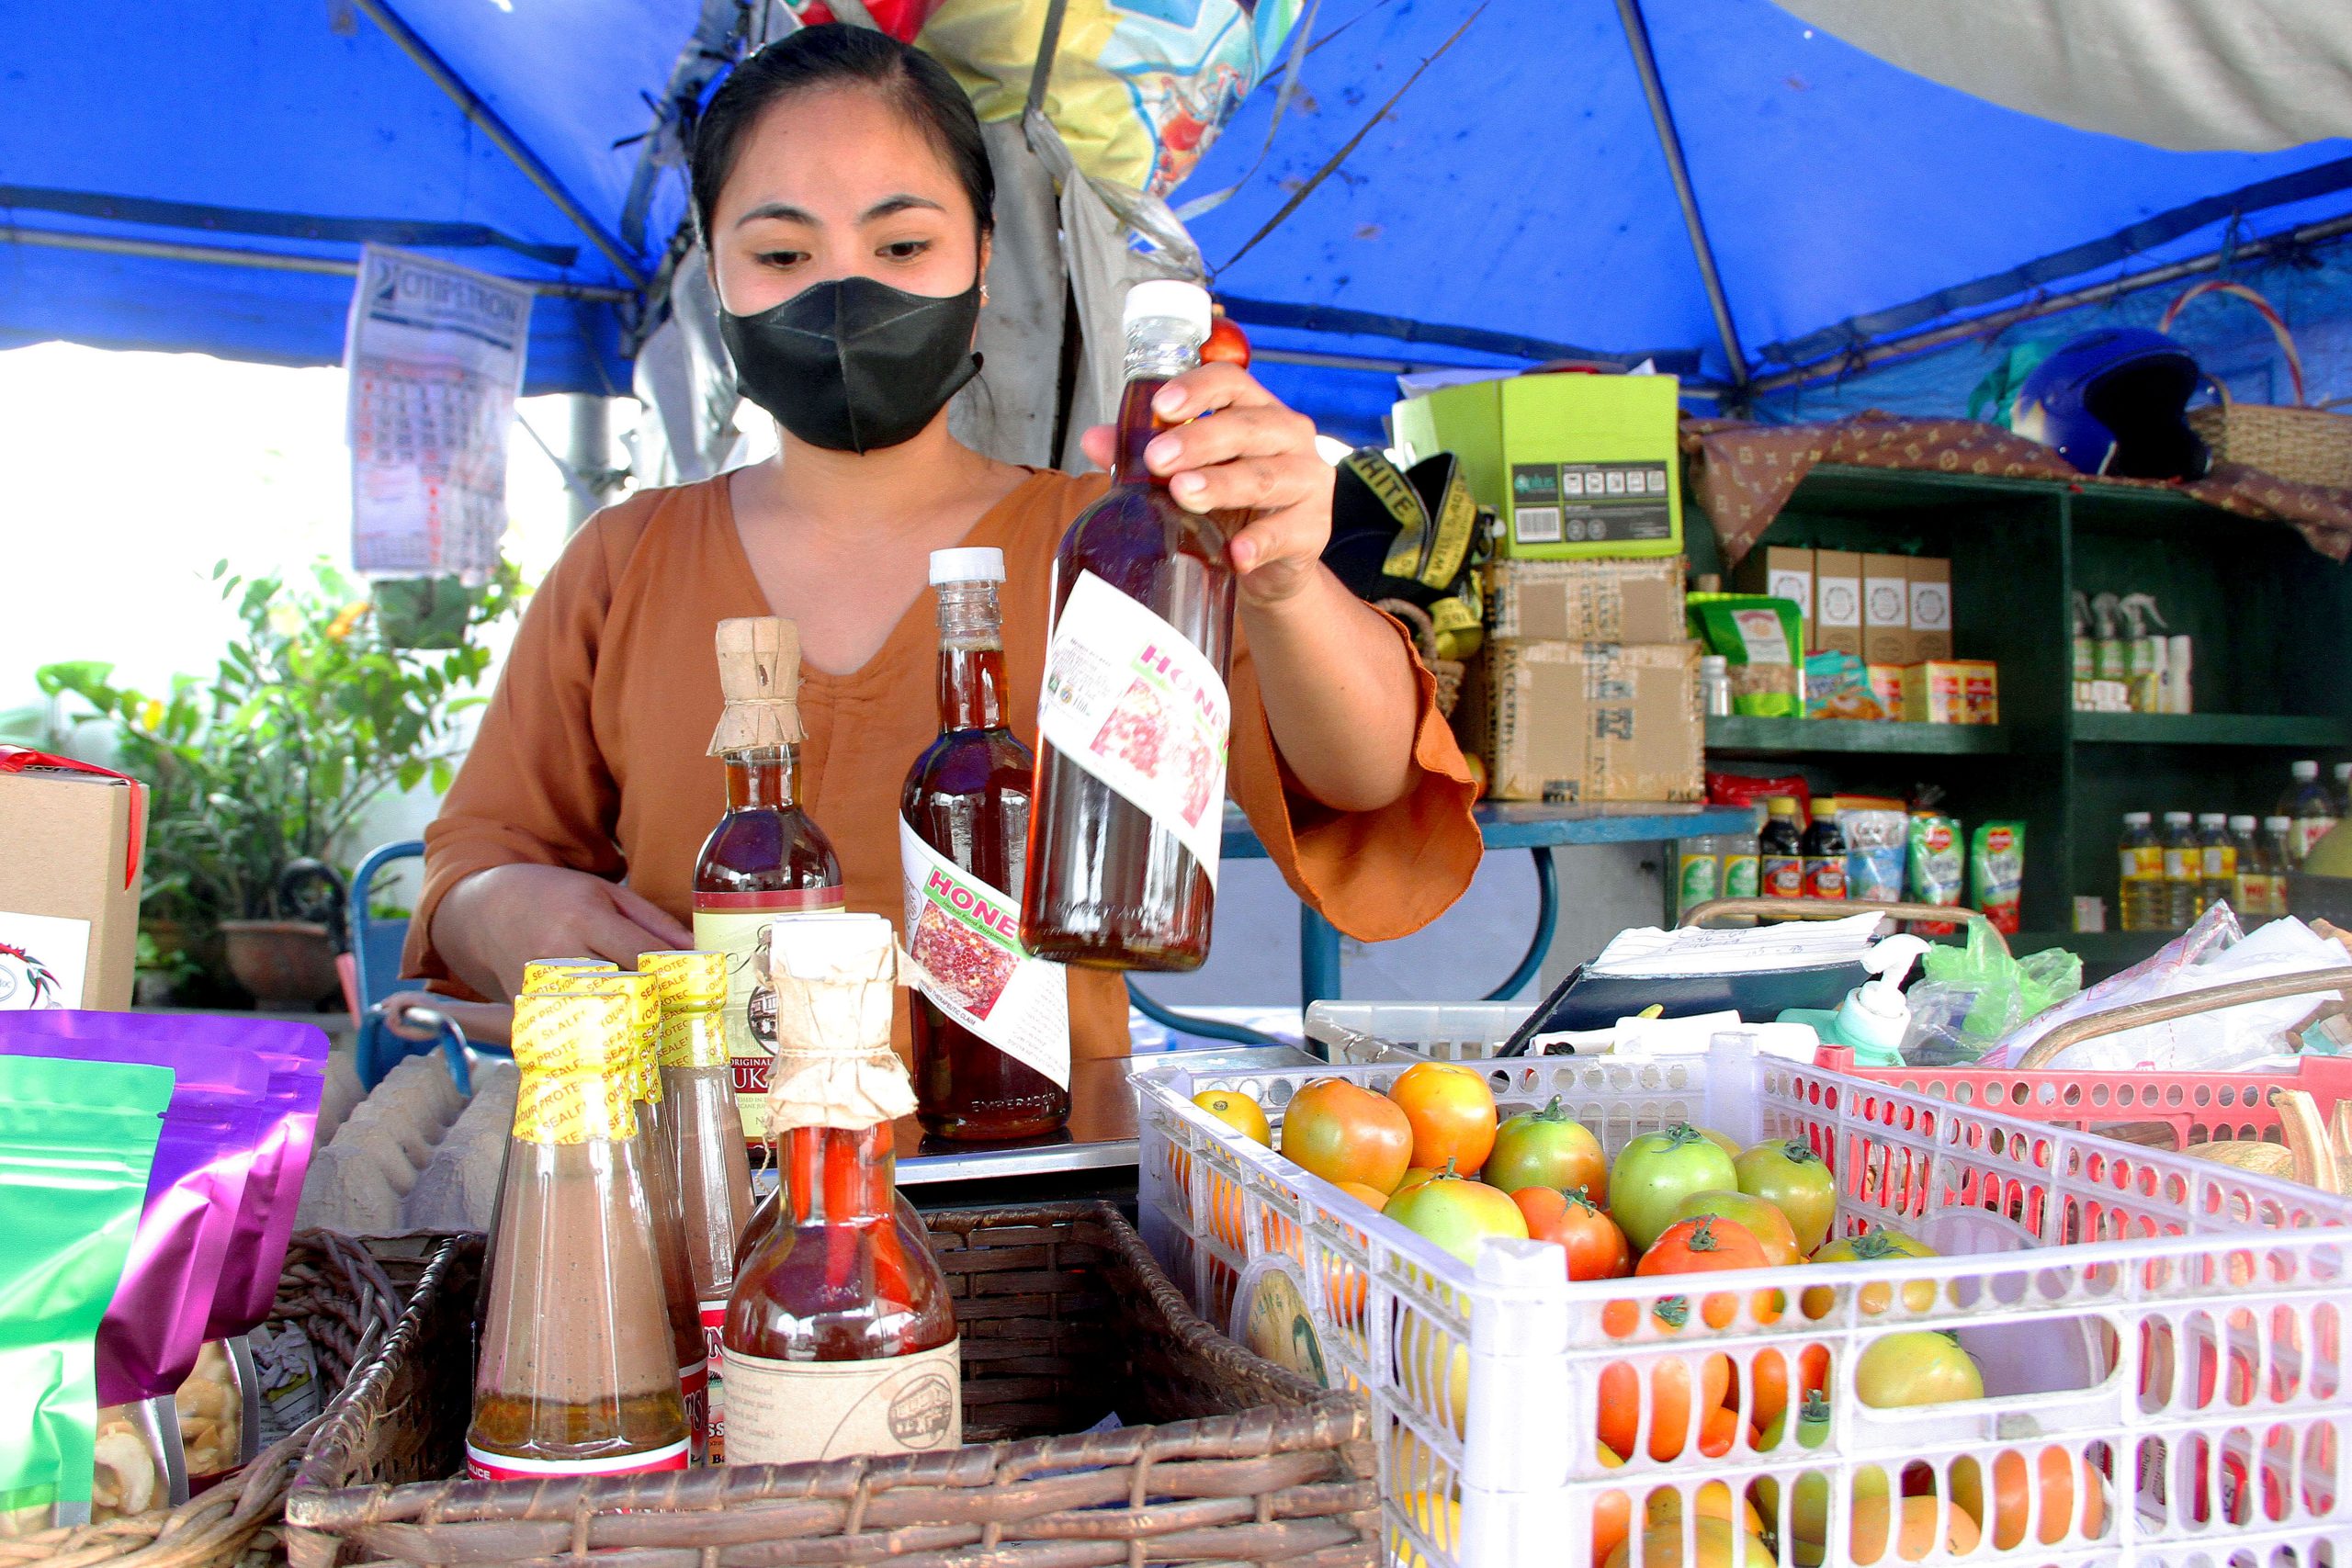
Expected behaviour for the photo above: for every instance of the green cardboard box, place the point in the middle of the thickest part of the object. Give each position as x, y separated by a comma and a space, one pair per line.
1574, 465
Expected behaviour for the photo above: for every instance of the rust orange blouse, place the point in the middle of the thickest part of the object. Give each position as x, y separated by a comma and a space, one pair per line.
591, 751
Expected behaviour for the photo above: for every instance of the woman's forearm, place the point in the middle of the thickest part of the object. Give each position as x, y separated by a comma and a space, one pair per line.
1339, 692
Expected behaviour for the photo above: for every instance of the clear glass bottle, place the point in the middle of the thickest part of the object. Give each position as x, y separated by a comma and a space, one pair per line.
2278, 852
2218, 855
2249, 889
2310, 811
712, 1169
990, 1023
766, 857
2140, 899
577, 1374
2184, 870
1134, 716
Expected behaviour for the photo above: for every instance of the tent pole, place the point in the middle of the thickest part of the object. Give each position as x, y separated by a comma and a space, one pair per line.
502, 137
591, 456
267, 261
1637, 39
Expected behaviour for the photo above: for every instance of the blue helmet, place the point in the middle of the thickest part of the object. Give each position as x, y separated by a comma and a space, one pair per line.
2112, 402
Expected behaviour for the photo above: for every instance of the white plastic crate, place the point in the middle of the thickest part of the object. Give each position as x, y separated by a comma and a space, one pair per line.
2170, 1322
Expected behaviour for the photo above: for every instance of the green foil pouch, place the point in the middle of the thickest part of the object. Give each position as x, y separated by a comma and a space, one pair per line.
76, 1139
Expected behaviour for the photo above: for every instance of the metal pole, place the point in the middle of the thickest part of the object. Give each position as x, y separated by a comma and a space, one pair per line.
591, 456
1637, 38
267, 261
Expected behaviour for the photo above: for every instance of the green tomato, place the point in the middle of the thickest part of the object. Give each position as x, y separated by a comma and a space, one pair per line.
1916, 1367
1547, 1148
1656, 1171
1792, 1179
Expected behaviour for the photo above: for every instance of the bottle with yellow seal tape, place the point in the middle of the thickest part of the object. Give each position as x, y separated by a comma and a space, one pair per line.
578, 1375
714, 1172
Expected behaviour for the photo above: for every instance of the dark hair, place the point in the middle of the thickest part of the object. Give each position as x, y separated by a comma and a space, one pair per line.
832, 54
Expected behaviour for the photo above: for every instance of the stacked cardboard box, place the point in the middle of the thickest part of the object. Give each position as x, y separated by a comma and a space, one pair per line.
1892, 612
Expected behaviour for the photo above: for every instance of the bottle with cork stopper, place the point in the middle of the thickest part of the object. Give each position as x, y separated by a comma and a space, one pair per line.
765, 857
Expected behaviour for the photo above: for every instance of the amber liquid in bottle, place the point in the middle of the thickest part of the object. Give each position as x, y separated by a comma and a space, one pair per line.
967, 797
1108, 887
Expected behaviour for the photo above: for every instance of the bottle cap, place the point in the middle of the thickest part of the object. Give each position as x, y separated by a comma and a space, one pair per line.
1169, 298
2275, 824
550, 974
981, 564
2305, 770
2211, 818
759, 675
2176, 818
1714, 664
2241, 824
2137, 819
685, 978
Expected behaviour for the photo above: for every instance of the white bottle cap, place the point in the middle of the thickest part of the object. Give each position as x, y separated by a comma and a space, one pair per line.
2275, 824
978, 564
1169, 298
1714, 664
2305, 770
2137, 819
2241, 824
2211, 818
2176, 818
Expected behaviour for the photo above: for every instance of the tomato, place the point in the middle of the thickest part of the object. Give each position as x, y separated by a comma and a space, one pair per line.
1813, 1423
1754, 1215
1809, 1505
1225, 1210
1915, 1535
1710, 1246
1437, 1516
1916, 1367
1239, 1111
1792, 1179
2059, 1494
1664, 1508
1670, 1396
1458, 1214
1718, 1432
1440, 1391
1414, 1176
1372, 1196
1719, 1546
1613, 1512
1596, 1248
1871, 1246
1226, 343
1657, 1170
1767, 1375
1451, 1112
1723, 1141
1548, 1148
1343, 1132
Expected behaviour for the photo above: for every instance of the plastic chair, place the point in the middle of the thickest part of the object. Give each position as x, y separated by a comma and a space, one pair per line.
376, 944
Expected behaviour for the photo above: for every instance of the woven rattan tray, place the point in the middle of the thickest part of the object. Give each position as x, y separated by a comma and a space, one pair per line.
1065, 1318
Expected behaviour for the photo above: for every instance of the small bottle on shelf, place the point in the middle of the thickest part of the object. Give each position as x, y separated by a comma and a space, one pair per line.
2184, 870
1714, 685
2343, 790
1824, 853
2140, 900
1780, 849
2217, 860
2250, 890
2310, 811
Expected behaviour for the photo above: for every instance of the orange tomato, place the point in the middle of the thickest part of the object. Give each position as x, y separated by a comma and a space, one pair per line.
1710, 1246
1596, 1249
1451, 1112
1225, 343
1364, 1194
1671, 1401
1345, 1133
1914, 1535
1768, 1377
1612, 1513
1759, 1219
2063, 1492
1718, 1432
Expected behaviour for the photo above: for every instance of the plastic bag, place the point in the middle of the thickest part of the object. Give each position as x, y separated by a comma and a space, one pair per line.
1973, 995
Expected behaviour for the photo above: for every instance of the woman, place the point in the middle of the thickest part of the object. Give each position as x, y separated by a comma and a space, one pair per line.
835, 155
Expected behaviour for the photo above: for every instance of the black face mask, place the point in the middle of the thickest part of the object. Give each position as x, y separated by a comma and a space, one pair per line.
853, 365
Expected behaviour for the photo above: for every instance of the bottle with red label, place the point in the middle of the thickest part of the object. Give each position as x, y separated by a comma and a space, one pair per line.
991, 1023
1824, 849
1780, 850
1134, 717
578, 1375
765, 857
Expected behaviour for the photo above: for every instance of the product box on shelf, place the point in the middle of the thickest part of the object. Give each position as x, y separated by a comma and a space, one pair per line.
1886, 609
1953, 690
2083, 1275
71, 837
1782, 571
1577, 722
1838, 603
1888, 683
1572, 465
1637, 600
1930, 582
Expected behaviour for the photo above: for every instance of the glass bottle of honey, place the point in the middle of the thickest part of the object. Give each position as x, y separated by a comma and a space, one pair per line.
578, 1375
1134, 716
991, 1024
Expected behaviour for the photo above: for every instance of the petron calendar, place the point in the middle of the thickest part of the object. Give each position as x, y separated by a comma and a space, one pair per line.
435, 354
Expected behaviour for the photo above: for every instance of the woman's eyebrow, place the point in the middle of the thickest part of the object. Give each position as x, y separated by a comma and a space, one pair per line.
779, 211
890, 206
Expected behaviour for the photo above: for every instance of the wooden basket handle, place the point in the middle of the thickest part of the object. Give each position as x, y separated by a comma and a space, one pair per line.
2073, 1031
1820, 910
2277, 326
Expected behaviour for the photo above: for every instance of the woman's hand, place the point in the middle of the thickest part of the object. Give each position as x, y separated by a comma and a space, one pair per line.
495, 921
1255, 455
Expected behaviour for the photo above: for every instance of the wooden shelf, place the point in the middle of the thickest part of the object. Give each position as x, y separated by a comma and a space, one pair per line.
1745, 733
2285, 730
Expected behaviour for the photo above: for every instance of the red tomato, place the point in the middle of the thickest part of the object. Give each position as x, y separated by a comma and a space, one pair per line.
1226, 343
1670, 1400
1451, 1112
1711, 1246
1767, 1374
2071, 1494
1596, 1248
1754, 1215
1457, 1214
1343, 1132
1548, 1148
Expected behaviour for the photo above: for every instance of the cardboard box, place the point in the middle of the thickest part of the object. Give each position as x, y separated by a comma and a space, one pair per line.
1583, 722
1886, 609
1785, 572
1838, 603
1887, 685
1930, 583
1585, 600
1953, 690
1575, 466
69, 883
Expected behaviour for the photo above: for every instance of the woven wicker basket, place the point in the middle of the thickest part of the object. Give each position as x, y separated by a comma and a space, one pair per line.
1064, 1319
2307, 445
348, 1307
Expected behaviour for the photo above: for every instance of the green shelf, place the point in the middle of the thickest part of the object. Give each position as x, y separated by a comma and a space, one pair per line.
2213, 729
1745, 733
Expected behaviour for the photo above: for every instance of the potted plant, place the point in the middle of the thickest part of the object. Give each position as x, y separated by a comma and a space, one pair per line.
311, 714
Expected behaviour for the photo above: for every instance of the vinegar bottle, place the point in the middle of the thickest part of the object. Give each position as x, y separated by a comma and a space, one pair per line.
2184, 870
2217, 860
766, 857
577, 1374
2140, 894
839, 1337
991, 1024
714, 1173
1132, 718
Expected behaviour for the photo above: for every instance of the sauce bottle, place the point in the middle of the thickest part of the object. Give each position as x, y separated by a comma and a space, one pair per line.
839, 1338
2217, 860
2140, 897
2184, 870
577, 1375
1134, 716
713, 1170
2250, 890
1780, 850
1824, 853
766, 858
991, 1024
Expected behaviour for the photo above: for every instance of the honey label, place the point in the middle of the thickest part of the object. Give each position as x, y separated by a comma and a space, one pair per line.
964, 937
731, 923
785, 1412
483, 1465
693, 1388
1128, 698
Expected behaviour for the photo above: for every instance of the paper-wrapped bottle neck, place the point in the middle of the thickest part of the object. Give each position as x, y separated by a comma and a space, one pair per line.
834, 1066
758, 724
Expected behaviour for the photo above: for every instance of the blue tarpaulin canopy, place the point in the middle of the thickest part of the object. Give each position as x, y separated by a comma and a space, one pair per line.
198, 177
